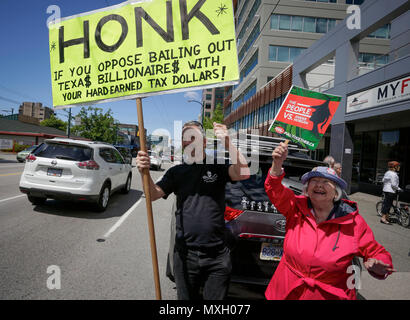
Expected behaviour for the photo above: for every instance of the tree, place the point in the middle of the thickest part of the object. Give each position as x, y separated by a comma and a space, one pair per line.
96, 125
54, 122
217, 116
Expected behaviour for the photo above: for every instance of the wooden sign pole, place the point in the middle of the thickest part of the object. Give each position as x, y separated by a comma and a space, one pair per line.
146, 182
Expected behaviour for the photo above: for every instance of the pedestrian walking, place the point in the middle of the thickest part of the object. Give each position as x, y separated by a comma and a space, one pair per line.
390, 187
323, 234
201, 257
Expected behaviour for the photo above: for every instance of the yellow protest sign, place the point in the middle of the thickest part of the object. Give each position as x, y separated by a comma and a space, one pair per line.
142, 48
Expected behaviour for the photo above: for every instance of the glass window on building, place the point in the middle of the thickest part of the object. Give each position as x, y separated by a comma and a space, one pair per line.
284, 22
309, 24
273, 53
326, 1
267, 112
297, 23
249, 92
388, 150
381, 33
294, 52
357, 2
369, 155
321, 25
274, 22
283, 54
331, 24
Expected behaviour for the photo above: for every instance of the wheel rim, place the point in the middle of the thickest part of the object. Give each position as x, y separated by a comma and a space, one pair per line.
105, 197
404, 219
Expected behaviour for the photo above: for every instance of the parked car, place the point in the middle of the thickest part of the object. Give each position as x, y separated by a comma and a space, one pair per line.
22, 155
126, 153
156, 159
75, 170
255, 230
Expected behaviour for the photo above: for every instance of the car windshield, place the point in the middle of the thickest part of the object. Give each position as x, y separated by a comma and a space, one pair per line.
250, 193
64, 151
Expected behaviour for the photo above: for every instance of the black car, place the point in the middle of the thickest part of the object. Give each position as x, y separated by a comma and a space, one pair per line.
255, 230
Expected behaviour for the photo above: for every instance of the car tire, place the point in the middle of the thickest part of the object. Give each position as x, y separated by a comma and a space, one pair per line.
36, 200
127, 186
104, 198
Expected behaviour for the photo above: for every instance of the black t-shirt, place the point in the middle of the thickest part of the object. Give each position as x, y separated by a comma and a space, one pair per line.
200, 193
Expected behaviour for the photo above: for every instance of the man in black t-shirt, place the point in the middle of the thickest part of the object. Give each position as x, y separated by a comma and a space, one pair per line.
201, 257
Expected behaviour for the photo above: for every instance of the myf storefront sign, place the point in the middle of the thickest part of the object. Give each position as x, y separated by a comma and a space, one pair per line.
390, 92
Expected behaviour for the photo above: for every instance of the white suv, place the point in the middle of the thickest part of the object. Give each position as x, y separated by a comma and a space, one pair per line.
75, 170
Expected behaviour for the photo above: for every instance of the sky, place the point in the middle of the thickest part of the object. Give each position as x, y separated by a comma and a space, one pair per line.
25, 66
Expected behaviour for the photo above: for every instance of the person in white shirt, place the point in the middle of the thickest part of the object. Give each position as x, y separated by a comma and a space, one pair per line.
390, 187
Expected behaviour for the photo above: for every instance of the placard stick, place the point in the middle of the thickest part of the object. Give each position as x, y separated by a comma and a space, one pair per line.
146, 181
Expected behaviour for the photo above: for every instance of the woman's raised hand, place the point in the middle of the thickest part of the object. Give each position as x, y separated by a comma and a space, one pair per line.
279, 155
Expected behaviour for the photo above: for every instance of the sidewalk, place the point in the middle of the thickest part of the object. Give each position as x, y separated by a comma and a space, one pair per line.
396, 240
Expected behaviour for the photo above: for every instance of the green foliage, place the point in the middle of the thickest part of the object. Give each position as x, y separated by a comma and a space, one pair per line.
54, 122
217, 116
20, 147
96, 125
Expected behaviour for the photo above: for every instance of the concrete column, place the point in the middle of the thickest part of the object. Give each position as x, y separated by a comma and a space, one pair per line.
341, 148
347, 61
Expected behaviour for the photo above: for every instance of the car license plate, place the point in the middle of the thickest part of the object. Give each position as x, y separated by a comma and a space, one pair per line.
270, 251
54, 172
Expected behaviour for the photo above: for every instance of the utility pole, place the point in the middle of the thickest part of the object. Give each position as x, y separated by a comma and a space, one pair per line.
69, 124
202, 107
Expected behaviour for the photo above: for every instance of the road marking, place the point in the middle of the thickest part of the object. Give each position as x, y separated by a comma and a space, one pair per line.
123, 218
15, 197
11, 174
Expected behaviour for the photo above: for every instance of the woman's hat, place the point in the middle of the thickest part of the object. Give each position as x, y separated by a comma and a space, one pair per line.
324, 172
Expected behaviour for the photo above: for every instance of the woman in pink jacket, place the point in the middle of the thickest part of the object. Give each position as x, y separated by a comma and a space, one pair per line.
323, 234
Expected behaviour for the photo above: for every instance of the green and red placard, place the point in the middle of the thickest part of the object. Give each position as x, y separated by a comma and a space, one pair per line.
304, 116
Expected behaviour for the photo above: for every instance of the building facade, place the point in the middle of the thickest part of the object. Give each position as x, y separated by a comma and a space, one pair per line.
210, 99
271, 34
372, 123
35, 110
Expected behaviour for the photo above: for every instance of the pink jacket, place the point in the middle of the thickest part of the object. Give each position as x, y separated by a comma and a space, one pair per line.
316, 257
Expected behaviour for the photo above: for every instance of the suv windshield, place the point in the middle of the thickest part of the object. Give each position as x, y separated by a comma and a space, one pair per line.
64, 151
